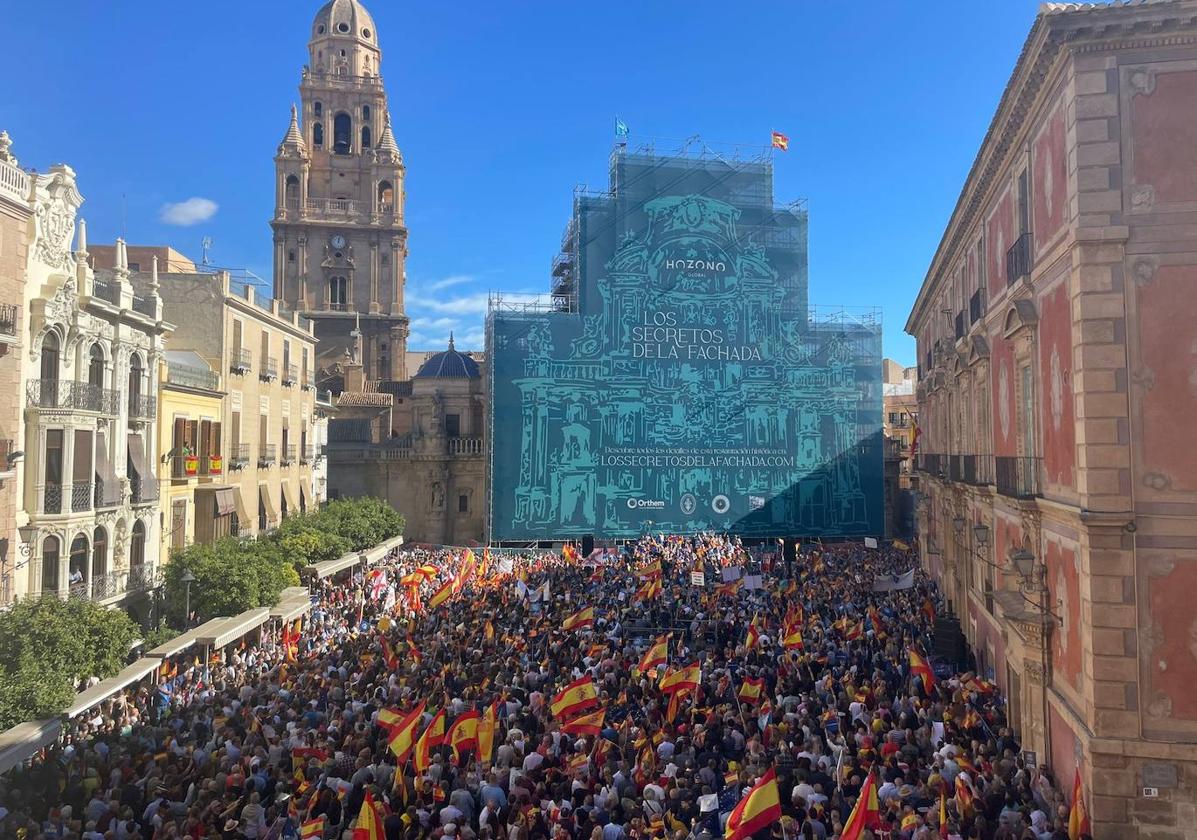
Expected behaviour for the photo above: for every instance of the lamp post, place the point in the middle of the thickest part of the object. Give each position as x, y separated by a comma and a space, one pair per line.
187, 579
1032, 580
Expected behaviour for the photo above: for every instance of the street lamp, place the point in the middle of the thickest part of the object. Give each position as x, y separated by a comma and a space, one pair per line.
981, 534
187, 579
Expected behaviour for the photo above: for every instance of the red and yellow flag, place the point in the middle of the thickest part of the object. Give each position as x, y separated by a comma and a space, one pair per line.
469, 564
463, 734
754, 636
759, 809
579, 696
943, 815
1078, 815
780, 141
582, 618
403, 733
751, 690
369, 821
921, 668
388, 654
588, 724
657, 654
964, 797
791, 637
866, 813
312, 828
488, 727
728, 588
443, 594
650, 589
569, 552
682, 679
434, 735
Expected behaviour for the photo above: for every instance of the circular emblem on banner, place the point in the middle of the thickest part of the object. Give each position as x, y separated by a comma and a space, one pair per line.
688, 503
720, 504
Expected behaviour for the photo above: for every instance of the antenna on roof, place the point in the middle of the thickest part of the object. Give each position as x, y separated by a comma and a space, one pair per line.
206, 245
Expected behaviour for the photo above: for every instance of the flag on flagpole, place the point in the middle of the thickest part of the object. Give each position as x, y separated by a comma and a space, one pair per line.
579, 696
780, 141
587, 724
403, 734
582, 618
866, 813
759, 809
463, 734
621, 128
922, 669
1078, 815
657, 654
369, 821
683, 679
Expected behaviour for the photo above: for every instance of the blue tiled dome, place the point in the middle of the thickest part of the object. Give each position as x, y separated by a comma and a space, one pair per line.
449, 364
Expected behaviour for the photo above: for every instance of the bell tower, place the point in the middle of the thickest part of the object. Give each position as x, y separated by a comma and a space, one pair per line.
340, 243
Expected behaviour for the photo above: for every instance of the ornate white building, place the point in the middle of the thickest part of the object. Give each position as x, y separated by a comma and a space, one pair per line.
90, 370
339, 237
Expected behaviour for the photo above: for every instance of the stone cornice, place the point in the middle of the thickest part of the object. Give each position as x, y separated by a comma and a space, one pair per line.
1057, 33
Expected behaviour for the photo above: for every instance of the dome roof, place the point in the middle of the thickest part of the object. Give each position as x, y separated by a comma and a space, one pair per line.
449, 364
345, 19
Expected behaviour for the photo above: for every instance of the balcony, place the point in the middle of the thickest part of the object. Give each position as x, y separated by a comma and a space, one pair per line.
143, 407
211, 465
9, 313
960, 325
337, 306
143, 490
268, 369
1017, 477
465, 445
71, 395
976, 307
239, 456
267, 455
306, 381
977, 470
147, 306
108, 492
307, 454
956, 467
193, 377
1019, 259
290, 375
334, 208
83, 495
287, 458
52, 499
935, 465
184, 466
241, 362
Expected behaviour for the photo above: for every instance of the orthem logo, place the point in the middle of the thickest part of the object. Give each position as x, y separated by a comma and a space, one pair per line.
688, 503
756, 502
720, 504
636, 504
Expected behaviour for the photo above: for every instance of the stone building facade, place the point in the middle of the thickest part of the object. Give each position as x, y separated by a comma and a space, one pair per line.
1057, 476
14, 231
340, 242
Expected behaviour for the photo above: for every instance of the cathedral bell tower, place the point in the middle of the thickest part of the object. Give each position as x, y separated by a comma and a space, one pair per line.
339, 239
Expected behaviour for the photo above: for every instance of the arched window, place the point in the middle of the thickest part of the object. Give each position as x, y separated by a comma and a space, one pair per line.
342, 134
50, 549
136, 371
338, 293
386, 196
291, 191
95, 366
78, 565
365, 113
99, 554
50, 356
137, 546
317, 108
318, 134
365, 136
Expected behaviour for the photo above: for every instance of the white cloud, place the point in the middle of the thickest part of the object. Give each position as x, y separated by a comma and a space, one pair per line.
190, 212
420, 324
449, 282
464, 305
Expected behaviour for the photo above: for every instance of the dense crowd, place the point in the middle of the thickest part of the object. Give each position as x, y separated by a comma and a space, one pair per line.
801, 668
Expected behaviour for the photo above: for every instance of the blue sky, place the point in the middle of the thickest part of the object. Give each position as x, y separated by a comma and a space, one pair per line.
500, 108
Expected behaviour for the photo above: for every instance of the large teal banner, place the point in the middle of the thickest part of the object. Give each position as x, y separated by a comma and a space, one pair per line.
689, 388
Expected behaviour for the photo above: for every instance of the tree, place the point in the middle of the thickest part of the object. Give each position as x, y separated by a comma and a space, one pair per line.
231, 576
47, 645
364, 521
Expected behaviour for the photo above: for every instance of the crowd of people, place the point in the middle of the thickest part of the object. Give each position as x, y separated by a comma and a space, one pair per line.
638, 693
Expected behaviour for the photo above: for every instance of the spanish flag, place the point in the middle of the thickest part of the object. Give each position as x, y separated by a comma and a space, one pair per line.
1078, 816
569, 553
403, 734
929, 610
312, 828
411, 579
443, 594
780, 141
866, 813
582, 618
943, 815
682, 679
854, 631
964, 797
875, 620
369, 821
427, 571
579, 696
651, 570
388, 654
463, 734
791, 637
922, 669
657, 654
759, 809
728, 588
649, 589
434, 735
588, 724
754, 636
488, 727
468, 564
750, 690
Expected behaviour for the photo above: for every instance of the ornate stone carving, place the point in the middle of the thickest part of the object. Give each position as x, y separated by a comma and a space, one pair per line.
1033, 670
1141, 80
1158, 481
1160, 706
1142, 197
1144, 377
1143, 269
55, 224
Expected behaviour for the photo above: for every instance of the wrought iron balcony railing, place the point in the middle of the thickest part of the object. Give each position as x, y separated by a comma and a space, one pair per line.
52, 498
193, 377
267, 455
8, 318
242, 361
69, 394
268, 369
290, 375
143, 490
143, 406
287, 457
977, 470
1017, 477
1019, 259
108, 492
976, 307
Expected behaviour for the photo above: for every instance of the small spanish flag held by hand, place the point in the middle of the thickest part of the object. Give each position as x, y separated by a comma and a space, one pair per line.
780, 141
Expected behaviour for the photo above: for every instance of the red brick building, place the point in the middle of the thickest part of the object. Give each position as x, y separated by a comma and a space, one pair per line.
1057, 342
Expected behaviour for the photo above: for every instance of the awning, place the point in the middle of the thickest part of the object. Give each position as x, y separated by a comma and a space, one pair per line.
101, 691
331, 567
226, 501
175, 646
22, 742
303, 498
290, 609
137, 455
243, 513
378, 552
289, 495
264, 495
103, 462
233, 629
